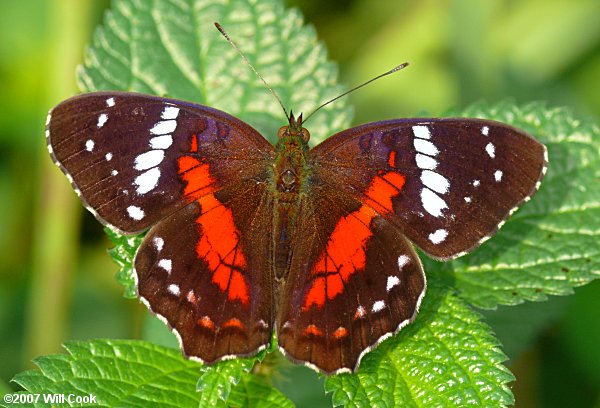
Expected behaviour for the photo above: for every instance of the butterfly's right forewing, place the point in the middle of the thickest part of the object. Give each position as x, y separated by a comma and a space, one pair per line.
129, 155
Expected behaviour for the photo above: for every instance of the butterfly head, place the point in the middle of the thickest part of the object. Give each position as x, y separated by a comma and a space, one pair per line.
294, 129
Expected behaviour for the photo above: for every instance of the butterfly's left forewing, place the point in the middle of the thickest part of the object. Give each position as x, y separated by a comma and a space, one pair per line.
447, 184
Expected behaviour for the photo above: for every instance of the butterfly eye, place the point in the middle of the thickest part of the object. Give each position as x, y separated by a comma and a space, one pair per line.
305, 135
282, 131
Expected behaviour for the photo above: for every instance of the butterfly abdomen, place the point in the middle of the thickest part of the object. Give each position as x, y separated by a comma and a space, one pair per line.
290, 169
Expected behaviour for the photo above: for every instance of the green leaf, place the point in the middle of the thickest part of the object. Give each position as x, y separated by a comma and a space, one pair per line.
251, 391
122, 254
216, 382
123, 373
550, 245
446, 357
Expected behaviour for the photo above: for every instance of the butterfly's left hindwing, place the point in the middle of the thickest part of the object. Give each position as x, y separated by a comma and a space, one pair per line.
129, 155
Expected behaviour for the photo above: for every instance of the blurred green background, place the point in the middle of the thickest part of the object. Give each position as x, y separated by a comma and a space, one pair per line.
56, 280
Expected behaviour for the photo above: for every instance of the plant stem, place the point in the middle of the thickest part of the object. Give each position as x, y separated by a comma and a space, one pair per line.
57, 214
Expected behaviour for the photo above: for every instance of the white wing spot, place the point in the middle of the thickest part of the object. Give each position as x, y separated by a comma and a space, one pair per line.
421, 131
149, 159
108, 156
485, 130
476, 183
102, 118
425, 147
378, 306
174, 289
468, 199
491, 150
163, 127
135, 212
166, 264
191, 297
114, 172
170, 112
161, 142
89, 145
498, 175
158, 243
147, 181
435, 181
110, 102
432, 202
403, 260
391, 282
360, 312
426, 162
438, 236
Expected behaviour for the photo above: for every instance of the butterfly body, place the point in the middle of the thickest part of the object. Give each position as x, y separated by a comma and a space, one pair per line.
246, 239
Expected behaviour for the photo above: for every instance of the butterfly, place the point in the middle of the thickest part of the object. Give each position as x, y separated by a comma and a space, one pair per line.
246, 239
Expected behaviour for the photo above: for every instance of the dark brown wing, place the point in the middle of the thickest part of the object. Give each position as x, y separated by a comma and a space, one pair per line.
205, 271
123, 153
354, 280
461, 178
198, 177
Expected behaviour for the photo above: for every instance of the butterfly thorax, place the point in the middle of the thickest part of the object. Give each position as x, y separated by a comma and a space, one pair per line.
290, 172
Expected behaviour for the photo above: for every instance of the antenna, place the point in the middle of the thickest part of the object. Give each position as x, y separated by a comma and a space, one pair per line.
391, 71
222, 31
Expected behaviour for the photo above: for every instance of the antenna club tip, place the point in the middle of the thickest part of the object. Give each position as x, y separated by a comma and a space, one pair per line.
221, 30
399, 67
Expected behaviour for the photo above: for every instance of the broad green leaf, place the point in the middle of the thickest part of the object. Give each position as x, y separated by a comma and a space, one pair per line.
171, 48
550, 245
446, 357
120, 373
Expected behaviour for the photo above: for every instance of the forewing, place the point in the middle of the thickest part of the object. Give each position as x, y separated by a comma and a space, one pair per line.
354, 280
448, 184
124, 154
204, 270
